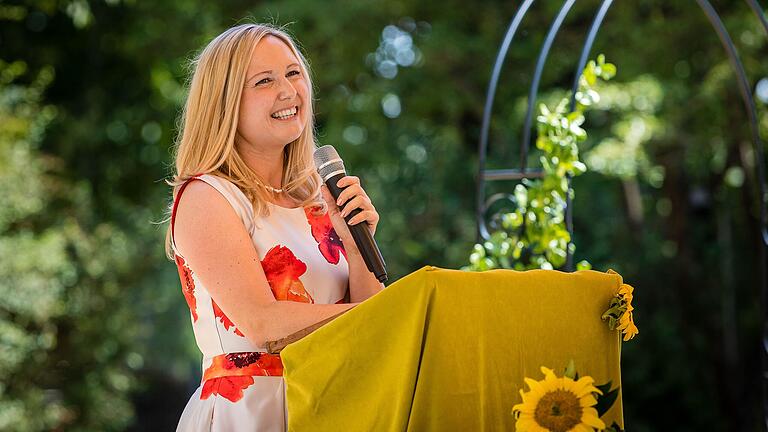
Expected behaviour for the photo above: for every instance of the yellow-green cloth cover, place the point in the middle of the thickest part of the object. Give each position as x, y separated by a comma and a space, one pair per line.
447, 350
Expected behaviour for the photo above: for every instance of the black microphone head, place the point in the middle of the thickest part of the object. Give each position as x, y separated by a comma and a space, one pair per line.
328, 162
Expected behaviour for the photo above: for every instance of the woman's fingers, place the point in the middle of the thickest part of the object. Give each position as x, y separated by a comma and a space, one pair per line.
357, 202
352, 188
347, 180
368, 216
352, 197
349, 193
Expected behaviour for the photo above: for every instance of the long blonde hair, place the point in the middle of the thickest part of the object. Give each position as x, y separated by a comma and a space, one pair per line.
208, 124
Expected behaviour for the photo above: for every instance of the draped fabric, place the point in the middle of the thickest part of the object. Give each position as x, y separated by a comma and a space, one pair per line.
447, 350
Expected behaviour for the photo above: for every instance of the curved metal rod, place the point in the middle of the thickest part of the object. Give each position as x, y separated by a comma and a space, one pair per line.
585, 50
746, 95
763, 251
759, 13
543, 54
760, 166
749, 103
596, 23
513, 26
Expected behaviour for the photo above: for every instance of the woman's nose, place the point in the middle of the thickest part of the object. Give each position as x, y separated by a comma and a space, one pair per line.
287, 90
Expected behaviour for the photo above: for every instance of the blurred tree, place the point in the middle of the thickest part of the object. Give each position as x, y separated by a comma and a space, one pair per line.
54, 258
400, 89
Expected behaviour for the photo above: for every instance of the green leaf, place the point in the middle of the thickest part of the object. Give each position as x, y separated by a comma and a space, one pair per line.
579, 167
570, 370
521, 196
609, 71
589, 73
605, 401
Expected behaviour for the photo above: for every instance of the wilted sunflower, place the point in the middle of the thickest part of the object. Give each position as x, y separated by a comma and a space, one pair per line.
627, 321
619, 314
558, 404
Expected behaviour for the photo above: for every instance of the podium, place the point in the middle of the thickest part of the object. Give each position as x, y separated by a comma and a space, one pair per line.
447, 350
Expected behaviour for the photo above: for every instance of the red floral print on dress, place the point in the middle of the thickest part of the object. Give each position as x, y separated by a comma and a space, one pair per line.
230, 374
283, 270
228, 387
328, 241
218, 313
187, 286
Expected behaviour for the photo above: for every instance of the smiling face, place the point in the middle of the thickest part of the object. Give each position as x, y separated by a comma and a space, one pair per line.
273, 109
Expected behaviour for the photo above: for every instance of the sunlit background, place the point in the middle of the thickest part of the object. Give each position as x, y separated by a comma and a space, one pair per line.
94, 331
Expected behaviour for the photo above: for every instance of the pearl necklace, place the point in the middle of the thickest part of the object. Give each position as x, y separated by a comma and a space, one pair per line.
270, 188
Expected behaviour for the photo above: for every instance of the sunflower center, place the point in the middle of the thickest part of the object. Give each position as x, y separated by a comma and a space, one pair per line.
558, 411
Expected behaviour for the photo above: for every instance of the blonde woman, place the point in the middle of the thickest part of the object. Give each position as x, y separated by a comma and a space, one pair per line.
261, 247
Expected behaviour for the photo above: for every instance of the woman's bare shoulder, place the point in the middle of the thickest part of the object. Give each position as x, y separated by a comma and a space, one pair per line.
199, 195
202, 206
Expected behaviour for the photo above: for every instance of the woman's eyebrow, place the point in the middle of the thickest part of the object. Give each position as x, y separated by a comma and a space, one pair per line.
269, 71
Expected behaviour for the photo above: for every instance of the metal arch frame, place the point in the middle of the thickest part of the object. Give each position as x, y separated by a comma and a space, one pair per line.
534, 90
513, 26
523, 173
764, 249
585, 50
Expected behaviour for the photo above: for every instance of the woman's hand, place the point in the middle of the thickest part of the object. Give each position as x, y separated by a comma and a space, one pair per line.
351, 198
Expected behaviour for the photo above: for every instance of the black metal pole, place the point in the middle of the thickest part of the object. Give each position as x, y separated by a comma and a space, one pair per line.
482, 230
746, 96
542, 60
585, 50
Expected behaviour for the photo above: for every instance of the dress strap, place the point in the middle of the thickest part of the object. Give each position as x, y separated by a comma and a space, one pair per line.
176, 205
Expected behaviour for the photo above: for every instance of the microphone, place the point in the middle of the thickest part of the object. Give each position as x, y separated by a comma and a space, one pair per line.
331, 169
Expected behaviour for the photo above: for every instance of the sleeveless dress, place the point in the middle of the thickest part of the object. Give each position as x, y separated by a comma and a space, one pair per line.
242, 388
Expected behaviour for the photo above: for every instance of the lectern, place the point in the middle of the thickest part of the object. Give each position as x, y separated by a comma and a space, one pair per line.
447, 350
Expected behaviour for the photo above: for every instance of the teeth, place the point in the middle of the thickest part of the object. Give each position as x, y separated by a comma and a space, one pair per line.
284, 114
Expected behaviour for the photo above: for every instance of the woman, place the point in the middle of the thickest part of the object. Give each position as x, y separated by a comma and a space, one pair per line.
261, 247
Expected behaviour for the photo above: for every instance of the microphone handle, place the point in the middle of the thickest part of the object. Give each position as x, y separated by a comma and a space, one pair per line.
361, 234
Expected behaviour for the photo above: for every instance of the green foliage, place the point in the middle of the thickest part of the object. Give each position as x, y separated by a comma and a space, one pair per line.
65, 327
534, 235
32, 267
671, 139
623, 153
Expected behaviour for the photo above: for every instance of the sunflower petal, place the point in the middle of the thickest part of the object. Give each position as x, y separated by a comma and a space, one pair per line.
581, 427
533, 385
527, 424
582, 386
587, 401
589, 417
548, 373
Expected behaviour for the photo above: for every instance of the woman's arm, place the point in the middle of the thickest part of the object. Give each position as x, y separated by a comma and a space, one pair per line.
362, 283
213, 240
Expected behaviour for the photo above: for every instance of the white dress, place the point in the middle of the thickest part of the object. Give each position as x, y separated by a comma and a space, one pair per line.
242, 387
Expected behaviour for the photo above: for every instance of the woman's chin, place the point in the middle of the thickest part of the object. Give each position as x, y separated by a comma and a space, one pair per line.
290, 134
287, 138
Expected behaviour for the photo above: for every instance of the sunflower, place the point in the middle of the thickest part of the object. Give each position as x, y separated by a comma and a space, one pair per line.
619, 314
558, 404
627, 321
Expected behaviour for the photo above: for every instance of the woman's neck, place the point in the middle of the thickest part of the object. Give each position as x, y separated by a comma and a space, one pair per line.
266, 163
268, 166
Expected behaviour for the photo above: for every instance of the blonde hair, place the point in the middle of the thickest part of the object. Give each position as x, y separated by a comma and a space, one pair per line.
208, 125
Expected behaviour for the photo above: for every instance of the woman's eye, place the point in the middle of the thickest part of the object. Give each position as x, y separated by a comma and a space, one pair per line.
294, 72
264, 81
